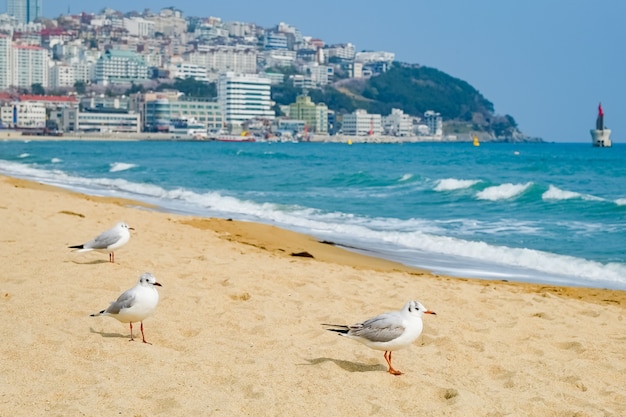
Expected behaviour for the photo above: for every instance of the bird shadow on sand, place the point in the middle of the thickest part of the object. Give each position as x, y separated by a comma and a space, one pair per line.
96, 262
105, 334
348, 366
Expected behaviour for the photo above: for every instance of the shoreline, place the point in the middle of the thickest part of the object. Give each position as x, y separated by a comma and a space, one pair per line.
284, 242
238, 327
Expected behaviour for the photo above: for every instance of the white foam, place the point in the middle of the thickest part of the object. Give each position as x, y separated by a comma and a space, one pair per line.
451, 184
555, 193
421, 242
406, 177
24, 155
55, 160
121, 166
502, 192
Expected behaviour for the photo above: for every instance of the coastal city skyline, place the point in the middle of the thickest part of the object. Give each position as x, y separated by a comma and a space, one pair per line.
537, 62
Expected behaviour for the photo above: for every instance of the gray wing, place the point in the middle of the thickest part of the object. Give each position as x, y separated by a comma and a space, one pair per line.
104, 240
383, 328
126, 300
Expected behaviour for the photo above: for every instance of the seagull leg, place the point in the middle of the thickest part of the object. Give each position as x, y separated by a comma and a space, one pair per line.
142, 335
112, 257
131, 332
388, 359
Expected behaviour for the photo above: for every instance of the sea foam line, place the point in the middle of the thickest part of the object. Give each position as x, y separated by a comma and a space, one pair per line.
503, 191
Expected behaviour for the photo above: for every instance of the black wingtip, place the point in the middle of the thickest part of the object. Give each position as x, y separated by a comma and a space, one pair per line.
77, 247
340, 328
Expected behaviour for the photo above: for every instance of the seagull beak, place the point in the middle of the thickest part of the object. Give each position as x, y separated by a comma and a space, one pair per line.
156, 283
430, 312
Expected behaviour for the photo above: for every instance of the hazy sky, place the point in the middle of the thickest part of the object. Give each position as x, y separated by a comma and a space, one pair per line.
547, 63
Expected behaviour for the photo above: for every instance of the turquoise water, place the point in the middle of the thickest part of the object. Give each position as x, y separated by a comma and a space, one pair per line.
553, 213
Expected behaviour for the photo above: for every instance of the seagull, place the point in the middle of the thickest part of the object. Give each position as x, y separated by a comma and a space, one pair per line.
135, 304
108, 241
388, 331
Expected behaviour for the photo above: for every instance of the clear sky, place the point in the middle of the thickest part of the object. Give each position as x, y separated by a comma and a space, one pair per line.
547, 63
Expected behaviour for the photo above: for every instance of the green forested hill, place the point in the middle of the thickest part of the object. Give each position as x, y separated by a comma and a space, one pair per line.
414, 89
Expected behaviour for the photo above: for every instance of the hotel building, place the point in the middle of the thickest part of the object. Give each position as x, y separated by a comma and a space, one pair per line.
244, 97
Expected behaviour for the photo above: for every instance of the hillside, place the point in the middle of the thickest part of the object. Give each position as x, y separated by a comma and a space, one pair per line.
414, 89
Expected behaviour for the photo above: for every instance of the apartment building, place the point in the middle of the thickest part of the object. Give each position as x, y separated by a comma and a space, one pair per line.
29, 66
117, 65
139, 27
361, 123
61, 76
6, 60
240, 59
398, 123
314, 115
185, 70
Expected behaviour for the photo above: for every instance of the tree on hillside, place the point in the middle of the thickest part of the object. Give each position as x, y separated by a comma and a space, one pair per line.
191, 88
37, 89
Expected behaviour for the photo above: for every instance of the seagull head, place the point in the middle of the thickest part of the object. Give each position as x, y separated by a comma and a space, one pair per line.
147, 279
416, 308
123, 225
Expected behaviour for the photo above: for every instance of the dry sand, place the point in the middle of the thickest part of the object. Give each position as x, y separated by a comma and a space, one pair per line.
237, 331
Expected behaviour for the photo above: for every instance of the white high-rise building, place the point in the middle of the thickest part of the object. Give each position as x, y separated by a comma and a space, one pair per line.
119, 65
25, 11
5, 62
138, 26
239, 59
30, 66
244, 97
61, 75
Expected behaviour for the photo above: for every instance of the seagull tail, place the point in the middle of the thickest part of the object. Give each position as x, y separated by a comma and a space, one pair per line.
77, 247
340, 328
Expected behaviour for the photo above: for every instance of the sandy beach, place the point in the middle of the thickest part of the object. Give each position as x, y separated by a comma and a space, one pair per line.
238, 327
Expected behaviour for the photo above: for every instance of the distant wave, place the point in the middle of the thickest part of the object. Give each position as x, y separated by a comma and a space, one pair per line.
55, 160
621, 201
502, 192
451, 184
554, 193
24, 155
121, 166
406, 177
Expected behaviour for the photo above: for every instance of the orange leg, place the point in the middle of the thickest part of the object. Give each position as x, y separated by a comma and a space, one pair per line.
131, 332
388, 359
142, 335
112, 257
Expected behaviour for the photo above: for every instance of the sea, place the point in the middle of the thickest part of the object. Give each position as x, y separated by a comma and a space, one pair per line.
551, 213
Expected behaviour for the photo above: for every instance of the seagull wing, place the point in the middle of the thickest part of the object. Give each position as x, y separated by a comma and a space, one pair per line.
383, 328
126, 300
104, 240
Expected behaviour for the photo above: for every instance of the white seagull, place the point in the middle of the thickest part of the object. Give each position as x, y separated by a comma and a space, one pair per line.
135, 304
108, 241
388, 331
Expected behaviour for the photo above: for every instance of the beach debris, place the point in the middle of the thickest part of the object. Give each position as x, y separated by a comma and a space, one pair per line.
303, 254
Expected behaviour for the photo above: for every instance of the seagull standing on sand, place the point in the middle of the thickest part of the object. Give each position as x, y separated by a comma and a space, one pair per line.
108, 241
135, 304
388, 331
